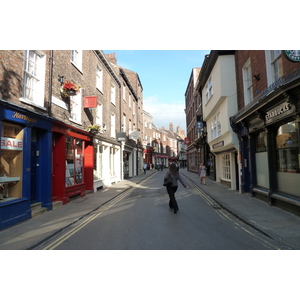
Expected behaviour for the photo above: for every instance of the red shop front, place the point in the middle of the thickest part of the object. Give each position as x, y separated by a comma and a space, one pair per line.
73, 162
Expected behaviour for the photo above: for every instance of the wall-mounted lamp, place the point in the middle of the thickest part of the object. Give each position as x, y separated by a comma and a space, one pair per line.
61, 79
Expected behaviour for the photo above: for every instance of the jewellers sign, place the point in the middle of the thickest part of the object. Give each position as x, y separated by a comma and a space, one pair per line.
279, 112
11, 144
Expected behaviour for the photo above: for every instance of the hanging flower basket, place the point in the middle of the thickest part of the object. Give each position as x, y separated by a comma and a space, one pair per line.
69, 89
94, 128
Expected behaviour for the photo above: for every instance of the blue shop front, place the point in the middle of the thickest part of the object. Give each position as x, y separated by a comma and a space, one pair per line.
25, 163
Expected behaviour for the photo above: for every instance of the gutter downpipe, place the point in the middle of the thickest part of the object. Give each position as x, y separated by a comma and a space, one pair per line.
50, 83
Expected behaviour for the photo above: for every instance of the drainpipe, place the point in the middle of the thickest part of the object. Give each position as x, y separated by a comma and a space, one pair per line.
122, 143
50, 83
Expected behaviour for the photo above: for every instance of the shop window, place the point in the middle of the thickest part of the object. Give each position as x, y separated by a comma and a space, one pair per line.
112, 161
11, 162
261, 160
287, 145
226, 175
74, 161
79, 161
261, 142
98, 161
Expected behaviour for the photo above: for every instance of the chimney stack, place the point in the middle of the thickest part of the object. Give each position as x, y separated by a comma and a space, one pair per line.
171, 127
112, 58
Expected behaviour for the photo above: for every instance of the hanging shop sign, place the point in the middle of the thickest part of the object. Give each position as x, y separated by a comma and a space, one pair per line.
121, 136
134, 135
90, 102
187, 141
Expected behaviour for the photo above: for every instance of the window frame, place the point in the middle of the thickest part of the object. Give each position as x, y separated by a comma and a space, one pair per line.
247, 82
36, 78
226, 167
272, 61
76, 108
113, 94
76, 59
209, 89
113, 125
99, 78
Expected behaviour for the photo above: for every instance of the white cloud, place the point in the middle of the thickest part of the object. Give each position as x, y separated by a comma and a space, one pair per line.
165, 113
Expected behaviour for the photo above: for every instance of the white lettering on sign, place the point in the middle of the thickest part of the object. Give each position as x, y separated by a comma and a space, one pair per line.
278, 111
11, 144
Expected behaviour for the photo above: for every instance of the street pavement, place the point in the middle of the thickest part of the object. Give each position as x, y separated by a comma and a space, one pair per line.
272, 221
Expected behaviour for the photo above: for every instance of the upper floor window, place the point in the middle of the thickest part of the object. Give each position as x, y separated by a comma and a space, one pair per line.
247, 80
215, 130
99, 79
273, 65
99, 115
124, 91
77, 58
113, 95
75, 107
113, 125
124, 123
209, 89
34, 77
129, 100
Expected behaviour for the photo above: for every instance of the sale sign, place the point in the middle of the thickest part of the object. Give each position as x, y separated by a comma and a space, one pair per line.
11, 144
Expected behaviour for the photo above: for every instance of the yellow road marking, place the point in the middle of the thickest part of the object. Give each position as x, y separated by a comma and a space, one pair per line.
67, 235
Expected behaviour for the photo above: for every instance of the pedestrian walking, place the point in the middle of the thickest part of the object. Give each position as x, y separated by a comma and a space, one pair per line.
202, 173
145, 166
174, 176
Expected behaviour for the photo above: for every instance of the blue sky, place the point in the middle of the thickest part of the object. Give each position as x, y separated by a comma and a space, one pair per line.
164, 75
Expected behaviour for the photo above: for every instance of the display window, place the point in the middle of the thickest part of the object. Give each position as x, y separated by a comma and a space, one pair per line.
287, 146
288, 158
261, 142
74, 161
261, 160
11, 161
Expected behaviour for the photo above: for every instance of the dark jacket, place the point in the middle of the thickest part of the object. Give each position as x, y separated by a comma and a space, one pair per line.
175, 178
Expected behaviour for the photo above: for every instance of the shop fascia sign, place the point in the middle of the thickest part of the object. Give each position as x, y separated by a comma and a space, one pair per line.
11, 144
278, 111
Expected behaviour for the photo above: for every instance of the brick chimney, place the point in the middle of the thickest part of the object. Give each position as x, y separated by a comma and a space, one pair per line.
112, 58
171, 127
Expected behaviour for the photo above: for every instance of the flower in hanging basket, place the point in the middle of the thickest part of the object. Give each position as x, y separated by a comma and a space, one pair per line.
69, 88
94, 128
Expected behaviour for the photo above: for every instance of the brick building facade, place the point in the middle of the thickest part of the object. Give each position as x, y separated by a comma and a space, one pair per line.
267, 125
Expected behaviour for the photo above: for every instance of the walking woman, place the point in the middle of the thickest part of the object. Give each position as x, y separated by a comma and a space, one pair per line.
202, 173
171, 189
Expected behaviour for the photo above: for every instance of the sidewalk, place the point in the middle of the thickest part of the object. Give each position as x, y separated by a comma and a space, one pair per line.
280, 225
